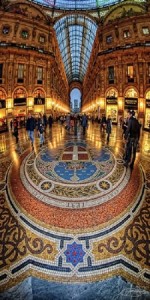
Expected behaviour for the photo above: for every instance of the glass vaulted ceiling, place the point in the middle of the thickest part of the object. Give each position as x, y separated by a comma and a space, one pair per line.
77, 4
75, 34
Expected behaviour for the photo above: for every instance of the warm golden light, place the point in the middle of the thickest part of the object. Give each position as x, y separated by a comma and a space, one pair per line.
141, 105
30, 101
120, 103
101, 103
9, 103
38, 110
49, 102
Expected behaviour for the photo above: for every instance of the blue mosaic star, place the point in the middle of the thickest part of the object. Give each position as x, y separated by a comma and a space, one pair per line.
74, 253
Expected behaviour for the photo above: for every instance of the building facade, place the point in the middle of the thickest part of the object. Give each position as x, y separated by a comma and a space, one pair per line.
118, 76
32, 73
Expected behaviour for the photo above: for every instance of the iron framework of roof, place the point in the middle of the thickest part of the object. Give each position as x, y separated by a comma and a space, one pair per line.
76, 31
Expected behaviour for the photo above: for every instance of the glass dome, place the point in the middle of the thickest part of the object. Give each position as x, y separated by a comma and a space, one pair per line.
77, 4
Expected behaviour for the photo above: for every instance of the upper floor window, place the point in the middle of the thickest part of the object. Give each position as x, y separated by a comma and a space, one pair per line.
126, 34
1, 72
145, 30
6, 29
24, 34
42, 39
148, 69
148, 72
111, 74
130, 73
39, 75
20, 73
109, 39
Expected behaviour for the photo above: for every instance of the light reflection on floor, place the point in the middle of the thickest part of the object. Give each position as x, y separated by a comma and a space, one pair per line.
103, 236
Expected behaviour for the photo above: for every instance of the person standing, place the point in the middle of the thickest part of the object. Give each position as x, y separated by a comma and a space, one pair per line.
30, 126
108, 127
75, 124
84, 123
50, 121
103, 122
11, 124
45, 121
132, 137
41, 130
68, 122
15, 132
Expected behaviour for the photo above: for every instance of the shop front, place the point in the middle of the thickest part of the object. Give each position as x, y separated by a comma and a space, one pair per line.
147, 115
131, 102
19, 111
19, 107
3, 125
112, 109
112, 105
39, 101
3, 121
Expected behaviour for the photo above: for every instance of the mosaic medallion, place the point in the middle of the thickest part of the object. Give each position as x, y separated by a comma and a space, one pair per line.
74, 164
69, 182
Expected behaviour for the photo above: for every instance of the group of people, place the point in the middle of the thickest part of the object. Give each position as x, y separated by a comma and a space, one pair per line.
131, 131
73, 120
39, 123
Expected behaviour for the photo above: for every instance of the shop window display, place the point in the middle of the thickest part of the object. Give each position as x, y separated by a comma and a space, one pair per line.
3, 125
112, 107
112, 111
147, 120
147, 111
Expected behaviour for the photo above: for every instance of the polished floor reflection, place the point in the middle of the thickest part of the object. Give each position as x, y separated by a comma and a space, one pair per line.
71, 211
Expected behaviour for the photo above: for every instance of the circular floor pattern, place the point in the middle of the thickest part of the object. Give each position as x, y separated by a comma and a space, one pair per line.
76, 178
26, 190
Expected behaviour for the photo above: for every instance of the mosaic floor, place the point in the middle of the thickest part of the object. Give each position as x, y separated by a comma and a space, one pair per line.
71, 212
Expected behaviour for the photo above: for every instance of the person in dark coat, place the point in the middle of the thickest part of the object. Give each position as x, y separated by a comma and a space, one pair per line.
108, 127
45, 121
84, 123
132, 137
30, 126
103, 122
15, 131
50, 121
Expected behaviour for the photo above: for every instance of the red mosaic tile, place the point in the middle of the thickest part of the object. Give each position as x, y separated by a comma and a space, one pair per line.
67, 157
74, 219
69, 149
82, 156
